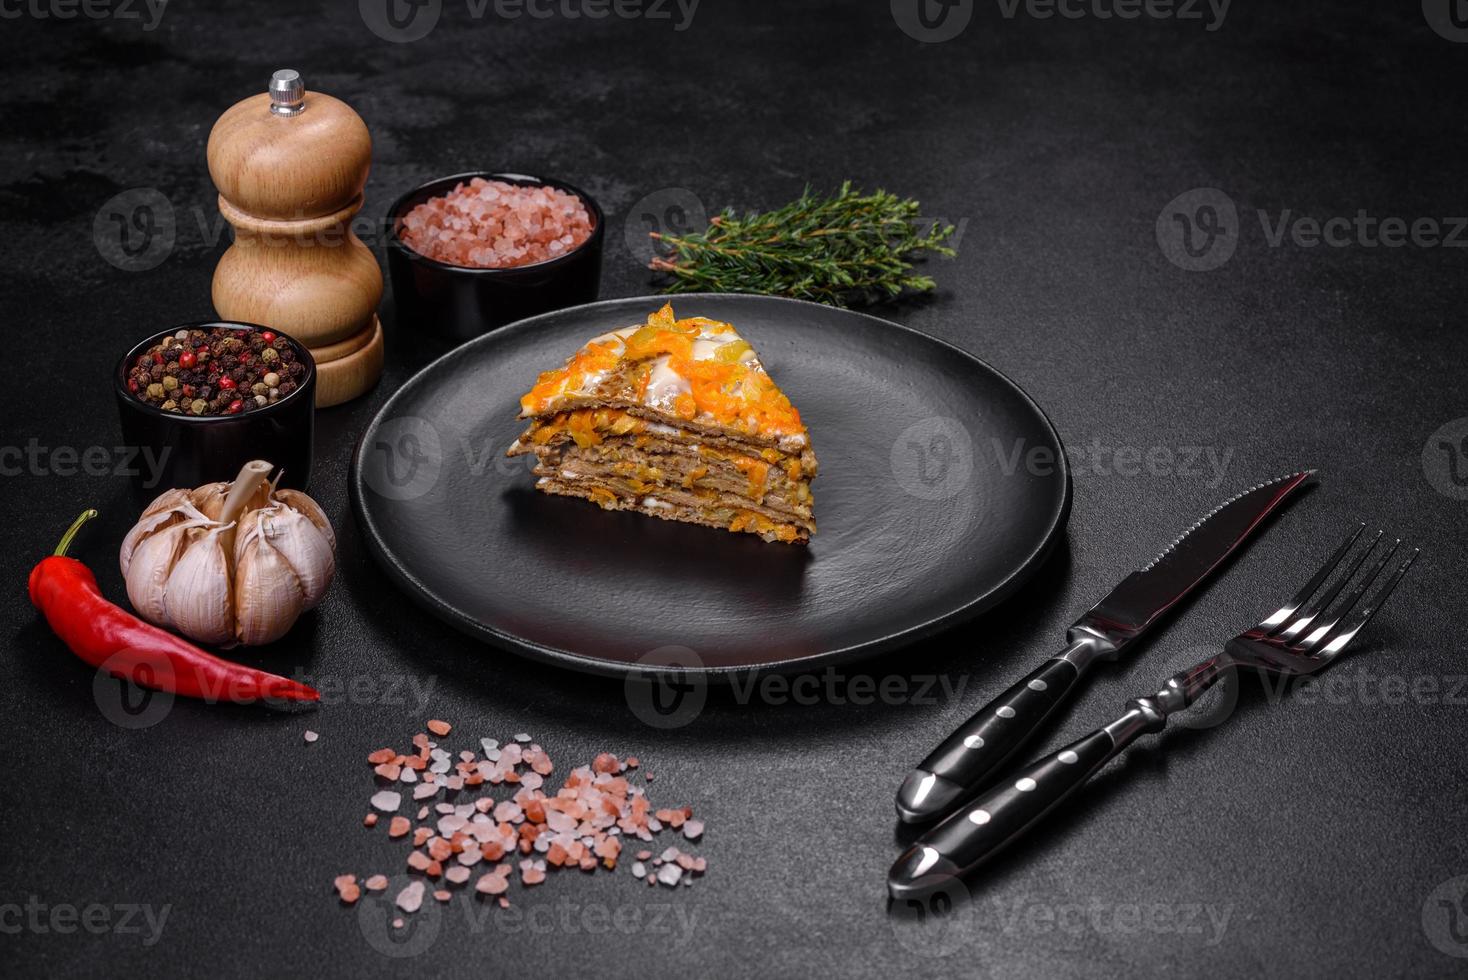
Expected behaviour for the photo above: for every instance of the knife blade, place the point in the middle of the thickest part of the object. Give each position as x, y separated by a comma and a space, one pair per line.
967, 759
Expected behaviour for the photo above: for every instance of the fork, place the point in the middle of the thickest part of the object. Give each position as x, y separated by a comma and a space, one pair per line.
1302, 637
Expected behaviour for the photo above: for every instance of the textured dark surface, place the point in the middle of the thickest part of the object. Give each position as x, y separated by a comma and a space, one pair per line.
1321, 824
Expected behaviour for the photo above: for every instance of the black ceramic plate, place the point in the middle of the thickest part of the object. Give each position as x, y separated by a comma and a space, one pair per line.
942, 486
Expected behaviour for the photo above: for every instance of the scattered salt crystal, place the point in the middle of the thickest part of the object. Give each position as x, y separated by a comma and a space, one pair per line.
522, 737
410, 899
693, 829
310, 736
669, 874
458, 875
423, 791
639, 869
376, 883
409, 776
386, 800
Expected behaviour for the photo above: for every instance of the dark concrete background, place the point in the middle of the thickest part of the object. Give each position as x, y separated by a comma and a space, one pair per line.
1322, 830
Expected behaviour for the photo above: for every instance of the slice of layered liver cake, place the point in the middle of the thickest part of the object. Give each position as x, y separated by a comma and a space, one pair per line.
674, 419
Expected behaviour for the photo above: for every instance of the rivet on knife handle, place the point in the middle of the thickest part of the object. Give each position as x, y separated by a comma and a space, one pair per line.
966, 761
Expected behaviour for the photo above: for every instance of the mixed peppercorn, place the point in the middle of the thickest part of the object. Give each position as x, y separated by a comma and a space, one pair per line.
218, 371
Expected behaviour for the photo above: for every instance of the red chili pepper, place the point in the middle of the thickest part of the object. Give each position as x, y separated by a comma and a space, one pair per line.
104, 635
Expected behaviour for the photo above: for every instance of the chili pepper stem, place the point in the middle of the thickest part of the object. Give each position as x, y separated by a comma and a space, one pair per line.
76, 526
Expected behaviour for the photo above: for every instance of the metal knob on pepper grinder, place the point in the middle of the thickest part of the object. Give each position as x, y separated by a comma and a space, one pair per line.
290, 166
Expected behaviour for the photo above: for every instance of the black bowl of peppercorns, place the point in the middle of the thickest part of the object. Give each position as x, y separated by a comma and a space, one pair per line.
200, 400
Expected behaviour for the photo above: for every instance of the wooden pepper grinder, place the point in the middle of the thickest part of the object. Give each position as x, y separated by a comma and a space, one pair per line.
290, 167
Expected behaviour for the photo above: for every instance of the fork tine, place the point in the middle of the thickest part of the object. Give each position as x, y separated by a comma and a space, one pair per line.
1358, 622
1340, 612
1285, 612
1321, 603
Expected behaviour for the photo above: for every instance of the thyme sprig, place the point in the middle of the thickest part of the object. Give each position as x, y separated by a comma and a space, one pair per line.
844, 249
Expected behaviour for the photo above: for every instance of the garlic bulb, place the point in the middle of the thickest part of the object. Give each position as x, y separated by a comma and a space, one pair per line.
228, 563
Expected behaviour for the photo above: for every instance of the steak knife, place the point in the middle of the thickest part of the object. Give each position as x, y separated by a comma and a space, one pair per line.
971, 756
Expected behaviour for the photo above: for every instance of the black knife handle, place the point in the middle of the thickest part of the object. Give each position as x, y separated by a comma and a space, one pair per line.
972, 756
984, 826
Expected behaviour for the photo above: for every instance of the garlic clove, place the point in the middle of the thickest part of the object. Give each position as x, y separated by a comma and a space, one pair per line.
300, 544
168, 501
172, 507
296, 500
267, 593
209, 499
196, 594
149, 566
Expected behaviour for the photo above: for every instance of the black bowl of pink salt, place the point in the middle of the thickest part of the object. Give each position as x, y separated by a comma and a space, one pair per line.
199, 400
472, 252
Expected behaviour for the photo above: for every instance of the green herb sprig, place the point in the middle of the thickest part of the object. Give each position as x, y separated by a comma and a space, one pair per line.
844, 249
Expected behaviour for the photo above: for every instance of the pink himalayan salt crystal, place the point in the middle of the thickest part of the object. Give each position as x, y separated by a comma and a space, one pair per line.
489, 224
